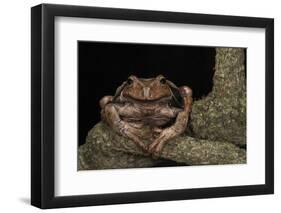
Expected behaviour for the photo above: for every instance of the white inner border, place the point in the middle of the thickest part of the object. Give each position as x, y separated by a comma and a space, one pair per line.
70, 182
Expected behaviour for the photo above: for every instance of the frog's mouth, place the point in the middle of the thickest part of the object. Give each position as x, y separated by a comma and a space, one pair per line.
165, 99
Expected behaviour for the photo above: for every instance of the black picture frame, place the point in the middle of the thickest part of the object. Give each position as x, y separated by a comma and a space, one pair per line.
43, 117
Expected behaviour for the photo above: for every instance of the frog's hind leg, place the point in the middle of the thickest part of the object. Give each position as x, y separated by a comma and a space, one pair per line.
105, 100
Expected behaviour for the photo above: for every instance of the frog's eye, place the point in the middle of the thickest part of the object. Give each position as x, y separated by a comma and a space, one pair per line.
129, 81
163, 81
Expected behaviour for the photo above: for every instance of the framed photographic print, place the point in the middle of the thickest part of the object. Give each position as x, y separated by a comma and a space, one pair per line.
139, 106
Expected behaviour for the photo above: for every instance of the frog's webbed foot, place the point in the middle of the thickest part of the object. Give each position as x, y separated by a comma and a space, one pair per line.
168, 133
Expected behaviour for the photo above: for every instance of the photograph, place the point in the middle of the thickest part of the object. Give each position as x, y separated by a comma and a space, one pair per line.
158, 105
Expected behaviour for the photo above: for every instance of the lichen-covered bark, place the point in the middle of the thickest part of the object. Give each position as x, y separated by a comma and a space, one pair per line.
105, 149
221, 116
218, 124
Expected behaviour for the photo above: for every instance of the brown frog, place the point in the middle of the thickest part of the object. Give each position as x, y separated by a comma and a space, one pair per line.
154, 102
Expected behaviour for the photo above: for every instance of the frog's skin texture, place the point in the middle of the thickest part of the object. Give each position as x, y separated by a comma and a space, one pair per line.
156, 103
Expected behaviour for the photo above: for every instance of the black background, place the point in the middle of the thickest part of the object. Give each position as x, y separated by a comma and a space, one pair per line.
103, 66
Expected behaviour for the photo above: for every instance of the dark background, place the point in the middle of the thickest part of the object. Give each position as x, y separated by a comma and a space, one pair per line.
103, 66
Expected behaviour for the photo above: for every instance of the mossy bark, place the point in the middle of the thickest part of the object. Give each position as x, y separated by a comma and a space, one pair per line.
218, 124
221, 116
105, 149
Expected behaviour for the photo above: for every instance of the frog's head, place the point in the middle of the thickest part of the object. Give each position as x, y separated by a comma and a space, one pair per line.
147, 89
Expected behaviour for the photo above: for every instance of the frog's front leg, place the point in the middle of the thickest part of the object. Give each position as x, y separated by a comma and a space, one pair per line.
178, 127
111, 116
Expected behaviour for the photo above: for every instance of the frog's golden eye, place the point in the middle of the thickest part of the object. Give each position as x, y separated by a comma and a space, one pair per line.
163, 81
129, 81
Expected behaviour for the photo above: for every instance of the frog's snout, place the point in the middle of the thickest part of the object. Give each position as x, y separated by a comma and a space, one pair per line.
146, 92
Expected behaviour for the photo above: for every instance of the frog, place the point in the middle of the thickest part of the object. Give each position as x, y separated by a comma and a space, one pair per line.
156, 103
